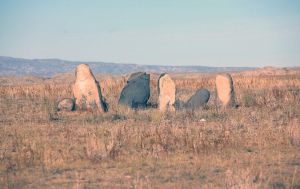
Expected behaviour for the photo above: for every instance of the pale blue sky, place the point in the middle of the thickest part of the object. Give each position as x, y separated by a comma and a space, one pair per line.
164, 32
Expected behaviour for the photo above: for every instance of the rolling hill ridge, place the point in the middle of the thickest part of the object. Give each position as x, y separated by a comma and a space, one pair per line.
49, 67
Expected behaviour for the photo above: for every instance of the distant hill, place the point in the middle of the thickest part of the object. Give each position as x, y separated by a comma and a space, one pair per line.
48, 67
271, 71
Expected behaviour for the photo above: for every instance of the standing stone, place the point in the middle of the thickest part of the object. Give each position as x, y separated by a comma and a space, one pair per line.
66, 104
136, 93
225, 90
198, 100
87, 91
135, 75
166, 93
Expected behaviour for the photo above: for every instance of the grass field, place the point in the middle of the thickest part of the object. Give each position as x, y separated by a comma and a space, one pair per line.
254, 146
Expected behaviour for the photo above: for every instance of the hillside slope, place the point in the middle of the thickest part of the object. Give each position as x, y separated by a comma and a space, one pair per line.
48, 67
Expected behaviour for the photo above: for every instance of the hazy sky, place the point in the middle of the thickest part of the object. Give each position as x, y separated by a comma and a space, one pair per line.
164, 32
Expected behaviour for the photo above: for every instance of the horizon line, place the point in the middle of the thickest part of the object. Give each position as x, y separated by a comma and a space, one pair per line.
126, 63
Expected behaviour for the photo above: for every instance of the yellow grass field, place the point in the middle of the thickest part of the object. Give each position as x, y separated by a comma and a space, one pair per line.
256, 145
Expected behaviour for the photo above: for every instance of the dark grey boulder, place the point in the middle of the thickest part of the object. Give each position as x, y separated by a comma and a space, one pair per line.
198, 100
135, 75
179, 104
66, 104
136, 93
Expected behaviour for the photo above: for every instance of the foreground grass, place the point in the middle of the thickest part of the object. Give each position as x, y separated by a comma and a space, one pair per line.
254, 146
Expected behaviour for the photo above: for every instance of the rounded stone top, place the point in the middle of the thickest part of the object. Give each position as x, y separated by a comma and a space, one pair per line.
226, 75
83, 72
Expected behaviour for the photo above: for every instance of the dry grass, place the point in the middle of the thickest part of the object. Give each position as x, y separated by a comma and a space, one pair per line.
254, 146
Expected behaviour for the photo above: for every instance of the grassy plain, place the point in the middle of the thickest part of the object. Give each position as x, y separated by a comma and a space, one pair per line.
254, 146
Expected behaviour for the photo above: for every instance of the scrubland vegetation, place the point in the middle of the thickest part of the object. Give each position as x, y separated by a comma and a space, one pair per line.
256, 145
